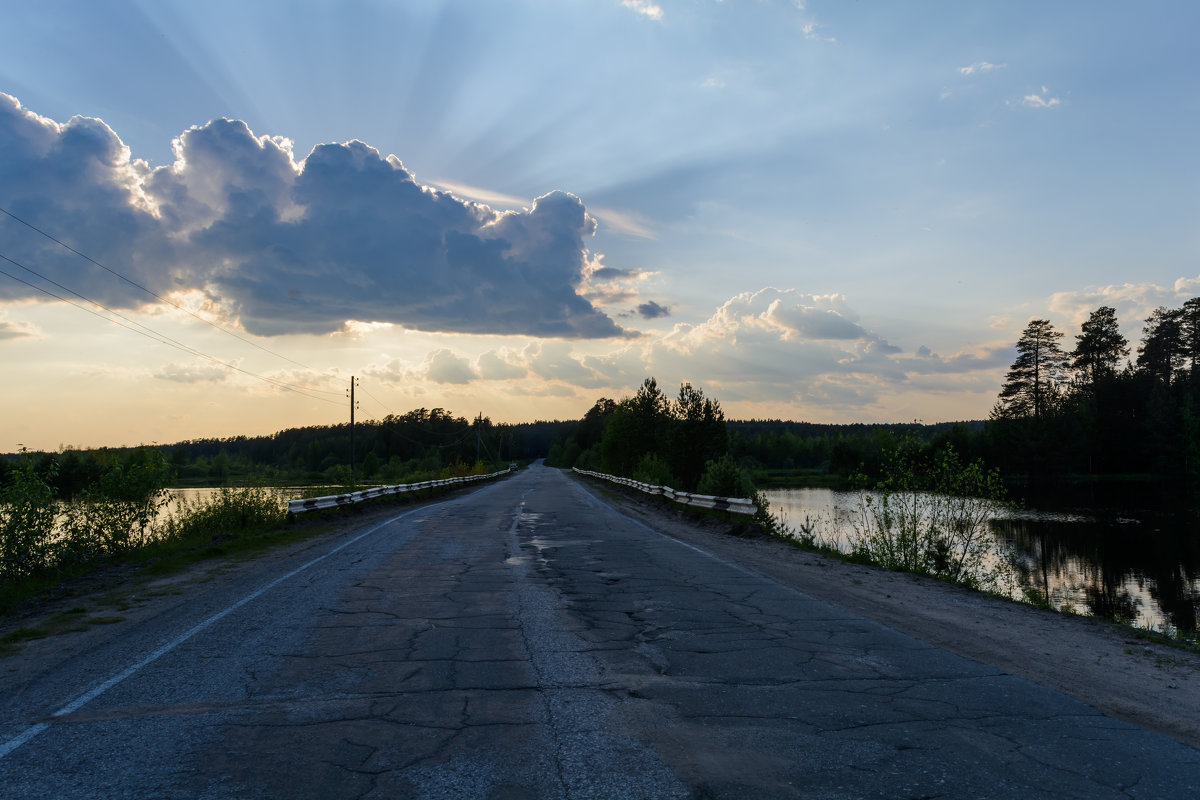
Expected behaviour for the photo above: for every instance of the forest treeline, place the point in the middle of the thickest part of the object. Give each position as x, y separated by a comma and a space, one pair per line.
423, 443
1088, 410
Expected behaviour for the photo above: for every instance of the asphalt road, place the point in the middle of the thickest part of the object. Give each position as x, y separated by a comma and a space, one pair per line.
527, 640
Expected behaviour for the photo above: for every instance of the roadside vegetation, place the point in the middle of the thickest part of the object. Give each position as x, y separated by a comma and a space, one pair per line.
45, 538
121, 516
930, 514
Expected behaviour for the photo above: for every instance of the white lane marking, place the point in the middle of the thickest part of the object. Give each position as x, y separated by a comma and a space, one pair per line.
96, 691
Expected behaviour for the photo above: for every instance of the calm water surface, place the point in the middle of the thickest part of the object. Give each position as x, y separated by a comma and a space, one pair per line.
177, 498
1141, 568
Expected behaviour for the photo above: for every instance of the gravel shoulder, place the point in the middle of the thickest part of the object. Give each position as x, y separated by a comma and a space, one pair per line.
1109, 667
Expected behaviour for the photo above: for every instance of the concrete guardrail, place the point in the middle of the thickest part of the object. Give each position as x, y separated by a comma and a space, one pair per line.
734, 505
336, 500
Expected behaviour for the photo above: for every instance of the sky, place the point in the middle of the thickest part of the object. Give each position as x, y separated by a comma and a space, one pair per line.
215, 214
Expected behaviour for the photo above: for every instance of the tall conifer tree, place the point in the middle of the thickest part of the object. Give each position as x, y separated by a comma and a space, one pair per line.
1031, 386
1099, 348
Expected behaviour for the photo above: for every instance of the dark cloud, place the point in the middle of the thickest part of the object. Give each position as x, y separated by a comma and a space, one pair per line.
293, 246
652, 310
604, 274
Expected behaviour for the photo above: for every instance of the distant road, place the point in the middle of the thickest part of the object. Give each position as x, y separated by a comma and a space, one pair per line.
527, 640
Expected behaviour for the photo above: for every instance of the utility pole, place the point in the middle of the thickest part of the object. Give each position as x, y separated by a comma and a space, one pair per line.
352, 404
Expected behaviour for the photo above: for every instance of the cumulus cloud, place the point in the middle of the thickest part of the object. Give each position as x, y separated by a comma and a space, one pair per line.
772, 343
785, 346
294, 245
1133, 301
556, 361
446, 366
772, 346
499, 365
788, 316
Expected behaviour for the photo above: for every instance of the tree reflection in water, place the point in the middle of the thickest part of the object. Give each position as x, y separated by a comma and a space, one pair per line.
1144, 572
1143, 568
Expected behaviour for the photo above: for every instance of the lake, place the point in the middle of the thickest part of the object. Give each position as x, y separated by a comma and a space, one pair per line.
1142, 568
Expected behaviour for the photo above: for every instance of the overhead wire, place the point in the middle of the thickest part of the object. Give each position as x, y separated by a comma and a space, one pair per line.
144, 330
154, 335
162, 299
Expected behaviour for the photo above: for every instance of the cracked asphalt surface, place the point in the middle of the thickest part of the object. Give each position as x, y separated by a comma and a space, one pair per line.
528, 640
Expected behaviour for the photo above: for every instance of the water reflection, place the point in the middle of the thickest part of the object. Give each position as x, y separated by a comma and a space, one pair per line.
1141, 569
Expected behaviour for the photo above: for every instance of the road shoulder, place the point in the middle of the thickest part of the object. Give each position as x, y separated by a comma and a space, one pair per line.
1107, 666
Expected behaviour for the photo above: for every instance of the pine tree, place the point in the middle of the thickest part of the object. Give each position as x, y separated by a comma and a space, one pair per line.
1162, 352
1099, 348
1190, 322
1031, 386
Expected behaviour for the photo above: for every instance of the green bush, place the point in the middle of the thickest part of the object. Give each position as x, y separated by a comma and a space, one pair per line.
589, 459
723, 478
27, 513
236, 512
115, 513
654, 471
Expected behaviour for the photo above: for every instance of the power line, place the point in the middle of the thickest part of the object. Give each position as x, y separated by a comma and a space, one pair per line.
144, 330
380, 402
162, 299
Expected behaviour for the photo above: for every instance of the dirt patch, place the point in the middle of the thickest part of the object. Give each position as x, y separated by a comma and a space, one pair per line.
1108, 666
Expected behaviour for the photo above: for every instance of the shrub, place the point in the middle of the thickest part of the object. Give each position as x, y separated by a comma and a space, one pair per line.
236, 512
654, 471
27, 513
933, 519
115, 512
723, 478
589, 459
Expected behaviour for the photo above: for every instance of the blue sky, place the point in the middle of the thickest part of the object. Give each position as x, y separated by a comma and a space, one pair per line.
822, 211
